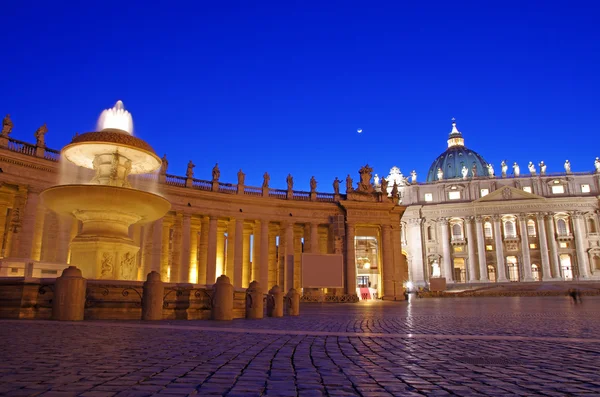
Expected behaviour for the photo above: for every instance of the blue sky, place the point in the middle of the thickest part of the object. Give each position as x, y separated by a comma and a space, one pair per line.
283, 86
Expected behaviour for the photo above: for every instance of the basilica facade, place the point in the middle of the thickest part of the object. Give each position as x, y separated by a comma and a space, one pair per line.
467, 224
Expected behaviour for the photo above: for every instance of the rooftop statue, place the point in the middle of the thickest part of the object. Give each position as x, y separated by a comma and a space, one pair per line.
531, 167
313, 184
395, 190
376, 180
216, 173
597, 165
464, 171
516, 169
164, 165
39, 136
542, 168
490, 168
474, 170
266, 179
336, 186
413, 174
349, 187
241, 177
365, 179
440, 174
190, 170
567, 166
384, 186
290, 182
504, 168
7, 126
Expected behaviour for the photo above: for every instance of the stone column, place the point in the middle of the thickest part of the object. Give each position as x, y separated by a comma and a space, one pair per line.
246, 266
211, 256
186, 238
314, 238
199, 251
580, 245
554, 261
229, 265
400, 269
500, 265
26, 236
289, 256
483, 274
3, 215
238, 253
298, 233
388, 263
446, 253
273, 263
471, 249
65, 225
221, 257
165, 252
38, 232
157, 236
546, 272
256, 253
350, 260
414, 237
177, 275
264, 256
527, 276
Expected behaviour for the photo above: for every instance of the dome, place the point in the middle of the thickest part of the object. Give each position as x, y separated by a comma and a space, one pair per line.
451, 161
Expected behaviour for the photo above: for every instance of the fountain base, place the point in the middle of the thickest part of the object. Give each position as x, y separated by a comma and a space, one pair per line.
105, 257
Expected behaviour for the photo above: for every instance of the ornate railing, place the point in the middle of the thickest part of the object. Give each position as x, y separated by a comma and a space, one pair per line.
21, 147
328, 197
302, 196
278, 193
252, 191
201, 185
51, 154
227, 188
175, 180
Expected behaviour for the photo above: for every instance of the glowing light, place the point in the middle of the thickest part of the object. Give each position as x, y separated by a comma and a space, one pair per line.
409, 285
367, 265
116, 118
359, 130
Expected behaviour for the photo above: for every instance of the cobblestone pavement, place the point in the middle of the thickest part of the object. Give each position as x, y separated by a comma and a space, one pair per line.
433, 347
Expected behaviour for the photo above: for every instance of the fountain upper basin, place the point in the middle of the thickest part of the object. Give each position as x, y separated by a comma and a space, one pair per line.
87, 198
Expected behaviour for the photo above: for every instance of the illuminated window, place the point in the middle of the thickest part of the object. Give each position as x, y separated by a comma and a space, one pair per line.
531, 228
509, 229
484, 192
558, 189
562, 245
487, 230
489, 248
513, 268
585, 188
454, 195
457, 233
458, 248
533, 246
366, 254
428, 197
561, 227
527, 189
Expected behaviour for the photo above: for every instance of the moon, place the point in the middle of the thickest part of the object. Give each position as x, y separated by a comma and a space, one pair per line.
359, 130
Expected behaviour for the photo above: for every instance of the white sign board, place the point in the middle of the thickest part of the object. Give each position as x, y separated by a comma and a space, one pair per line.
322, 271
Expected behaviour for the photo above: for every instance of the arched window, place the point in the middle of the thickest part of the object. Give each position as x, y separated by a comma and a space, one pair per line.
591, 225
531, 228
457, 231
487, 230
561, 227
429, 233
596, 262
535, 272
509, 229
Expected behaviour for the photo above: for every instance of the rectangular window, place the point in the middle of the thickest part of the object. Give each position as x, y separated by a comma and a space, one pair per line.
562, 245
527, 189
458, 249
558, 189
585, 188
489, 248
533, 246
428, 197
484, 192
454, 195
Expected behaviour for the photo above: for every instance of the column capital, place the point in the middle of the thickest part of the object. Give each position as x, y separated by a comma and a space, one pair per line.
386, 226
443, 221
548, 215
479, 218
415, 221
469, 218
523, 216
496, 217
577, 214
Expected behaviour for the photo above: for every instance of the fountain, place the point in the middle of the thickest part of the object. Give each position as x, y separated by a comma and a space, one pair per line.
107, 205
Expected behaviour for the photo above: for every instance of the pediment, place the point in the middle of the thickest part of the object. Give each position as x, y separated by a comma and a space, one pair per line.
508, 193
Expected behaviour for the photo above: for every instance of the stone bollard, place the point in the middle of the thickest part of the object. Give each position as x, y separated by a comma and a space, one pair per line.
254, 301
153, 297
222, 299
275, 302
293, 301
68, 303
